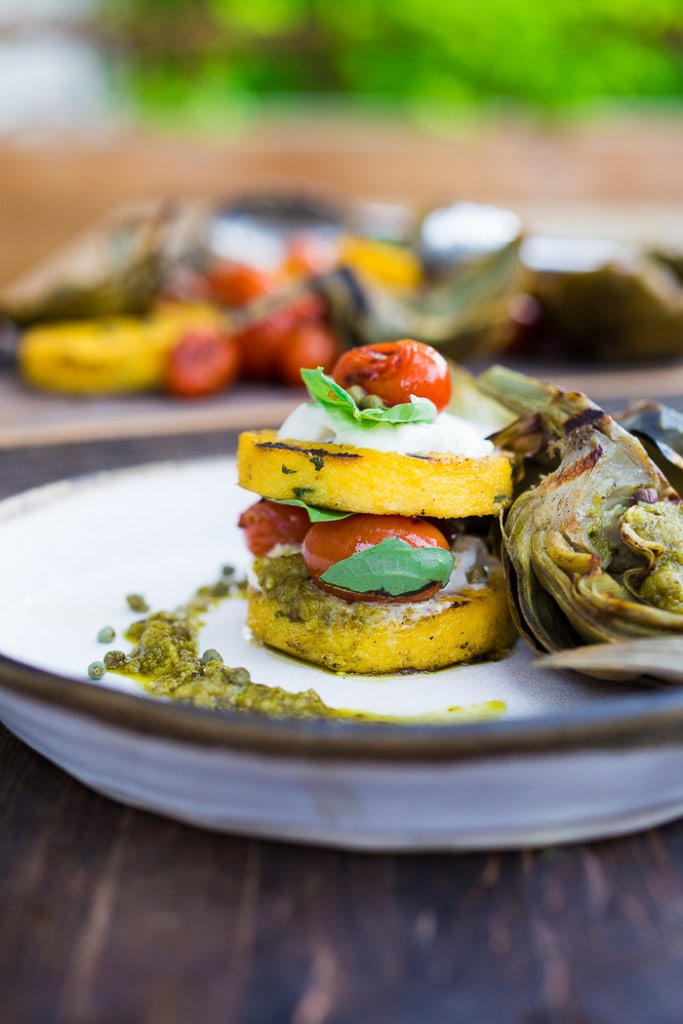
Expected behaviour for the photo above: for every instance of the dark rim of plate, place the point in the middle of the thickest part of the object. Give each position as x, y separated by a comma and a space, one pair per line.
654, 719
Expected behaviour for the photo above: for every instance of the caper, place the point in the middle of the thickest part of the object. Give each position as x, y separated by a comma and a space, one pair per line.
137, 603
114, 659
211, 654
477, 574
96, 669
220, 589
240, 676
371, 402
357, 393
106, 635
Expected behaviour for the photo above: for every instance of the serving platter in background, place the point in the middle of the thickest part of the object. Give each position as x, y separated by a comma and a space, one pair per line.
29, 417
33, 417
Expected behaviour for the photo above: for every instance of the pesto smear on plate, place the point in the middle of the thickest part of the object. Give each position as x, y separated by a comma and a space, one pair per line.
167, 661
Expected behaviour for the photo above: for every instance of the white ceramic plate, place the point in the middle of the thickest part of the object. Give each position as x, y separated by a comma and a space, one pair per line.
569, 758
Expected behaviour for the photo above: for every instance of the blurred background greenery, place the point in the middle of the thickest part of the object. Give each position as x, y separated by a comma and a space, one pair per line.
200, 61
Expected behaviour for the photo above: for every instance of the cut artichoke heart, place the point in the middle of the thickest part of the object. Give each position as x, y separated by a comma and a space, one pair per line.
593, 551
597, 604
655, 532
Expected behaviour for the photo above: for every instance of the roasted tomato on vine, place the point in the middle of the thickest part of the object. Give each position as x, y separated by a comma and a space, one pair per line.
395, 370
268, 523
327, 543
202, 362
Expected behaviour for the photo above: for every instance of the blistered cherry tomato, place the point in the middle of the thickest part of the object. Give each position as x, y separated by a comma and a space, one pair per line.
306, 346
395, 370
259, 345
267, 523
262, 342
329, 542
238, 283
202, 362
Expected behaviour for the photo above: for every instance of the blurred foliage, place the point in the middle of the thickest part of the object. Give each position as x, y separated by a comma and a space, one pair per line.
199, 57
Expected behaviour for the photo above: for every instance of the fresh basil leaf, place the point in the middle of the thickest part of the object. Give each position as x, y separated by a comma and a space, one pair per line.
418, 410
326, 392
391, 567
315, 514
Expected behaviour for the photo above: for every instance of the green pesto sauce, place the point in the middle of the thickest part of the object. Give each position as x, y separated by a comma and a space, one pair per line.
167, 661
285, 578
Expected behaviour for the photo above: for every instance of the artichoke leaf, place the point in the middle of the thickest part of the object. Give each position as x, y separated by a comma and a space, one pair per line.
471, 404
535, 612
660, 428
463, 314
630, 308
651, 660
598, 535
114, 272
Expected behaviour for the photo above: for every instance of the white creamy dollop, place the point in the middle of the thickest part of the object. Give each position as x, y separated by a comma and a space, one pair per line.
448, 433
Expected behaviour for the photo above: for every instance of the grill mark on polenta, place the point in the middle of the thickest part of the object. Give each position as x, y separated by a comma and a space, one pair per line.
309, 452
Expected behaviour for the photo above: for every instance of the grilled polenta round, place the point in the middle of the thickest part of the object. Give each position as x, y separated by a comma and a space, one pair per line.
288, 612
352, 479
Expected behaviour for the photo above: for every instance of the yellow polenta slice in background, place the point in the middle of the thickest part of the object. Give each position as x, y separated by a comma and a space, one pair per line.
355, 479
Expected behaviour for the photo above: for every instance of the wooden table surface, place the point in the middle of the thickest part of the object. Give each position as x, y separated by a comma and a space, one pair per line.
111, 915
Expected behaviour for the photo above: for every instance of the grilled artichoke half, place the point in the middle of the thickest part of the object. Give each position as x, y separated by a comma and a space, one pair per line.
593, 548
